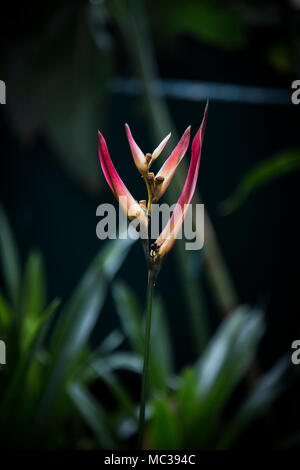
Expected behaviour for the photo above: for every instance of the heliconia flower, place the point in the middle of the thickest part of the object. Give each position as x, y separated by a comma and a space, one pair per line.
168, 169
131, 207
167, 237
138, 156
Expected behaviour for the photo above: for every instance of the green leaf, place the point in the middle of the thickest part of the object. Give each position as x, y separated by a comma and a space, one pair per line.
119, 360
187, 400
77, 319
9, 257
43, 322
130, 314
33, 297
104, 362
5, 313
226, 360
124, 401
264, 173
163, 433
160, 337
209, 21
265, 392
15, 396
93, 414
34, 286
112, 341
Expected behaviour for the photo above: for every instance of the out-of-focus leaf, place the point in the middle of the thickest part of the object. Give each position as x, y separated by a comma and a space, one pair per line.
187, 400
163, 432
112, 341
263, 173
93, 414
116, 361
265, 392
211, 22
81, 312
125, 403
14, 397
5, 313
9, 258
104, 362
130, 314
160, 337
64, 74
42, 324
88, 369
226, 360
78, 318
34, 286
33, 296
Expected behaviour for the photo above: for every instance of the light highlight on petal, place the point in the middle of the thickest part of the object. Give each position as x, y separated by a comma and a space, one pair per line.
138, 156
169, 167
120, 191
168, 236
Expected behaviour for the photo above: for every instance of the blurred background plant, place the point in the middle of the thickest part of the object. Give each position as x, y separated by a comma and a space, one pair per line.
46, 396
71, 379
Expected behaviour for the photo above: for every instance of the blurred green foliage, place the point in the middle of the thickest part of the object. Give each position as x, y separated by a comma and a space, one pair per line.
262, 174
210, 21
46, 387
43, 353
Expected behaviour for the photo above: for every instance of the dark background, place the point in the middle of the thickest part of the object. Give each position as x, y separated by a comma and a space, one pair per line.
53, 208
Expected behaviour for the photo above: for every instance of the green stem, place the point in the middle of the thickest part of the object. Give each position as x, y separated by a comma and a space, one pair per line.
145, 375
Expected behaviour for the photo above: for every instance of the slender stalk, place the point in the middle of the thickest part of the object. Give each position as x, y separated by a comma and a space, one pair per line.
149, 194
145, 375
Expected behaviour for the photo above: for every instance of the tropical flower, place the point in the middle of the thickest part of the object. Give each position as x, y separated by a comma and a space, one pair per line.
156, 184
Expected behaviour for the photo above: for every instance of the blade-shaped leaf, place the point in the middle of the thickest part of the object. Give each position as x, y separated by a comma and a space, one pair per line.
187, 400
265, 392
160, 337
9, 257
112, 341
265, 172
116, 361
130, 314
132, 321
123, 398
163, 432
77, 320
230, 351
14, 395
93, 414
33, 297
5, 313
224, 363
34, 286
